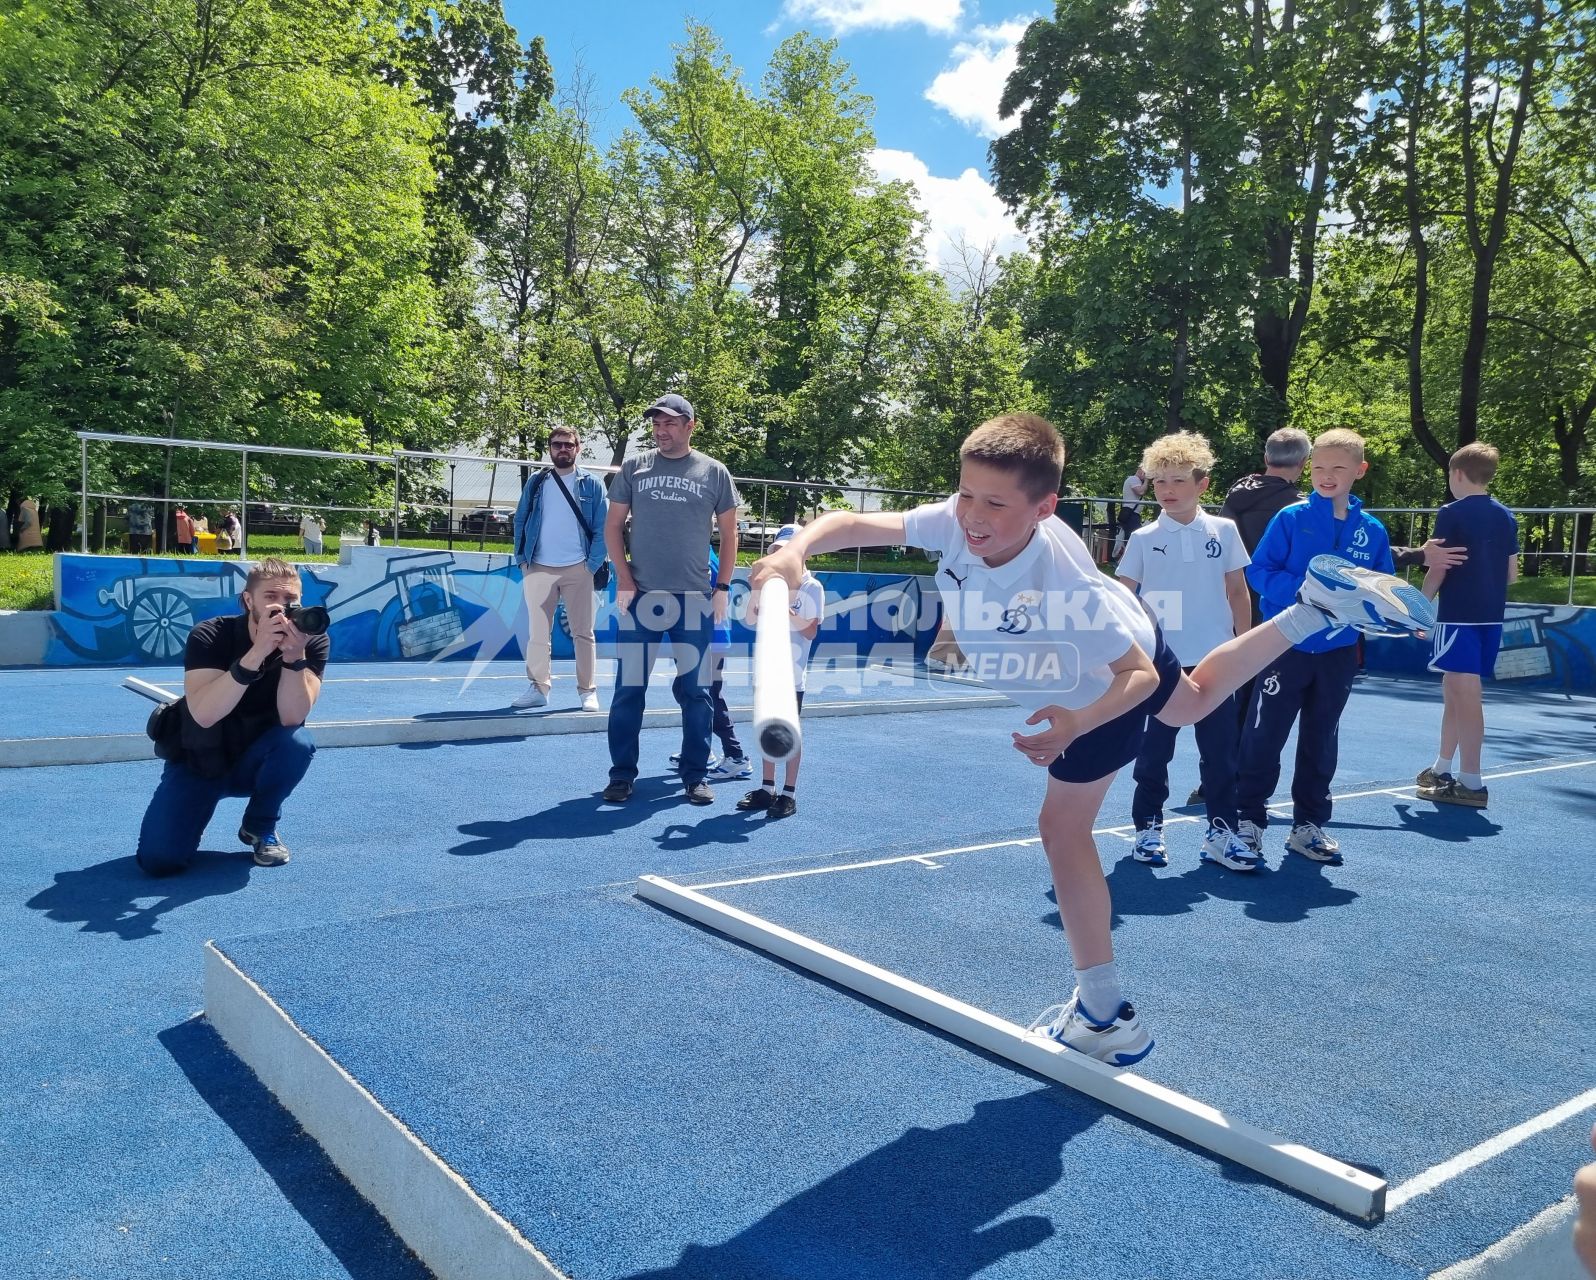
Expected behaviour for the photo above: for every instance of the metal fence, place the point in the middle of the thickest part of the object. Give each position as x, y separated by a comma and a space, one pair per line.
470, 498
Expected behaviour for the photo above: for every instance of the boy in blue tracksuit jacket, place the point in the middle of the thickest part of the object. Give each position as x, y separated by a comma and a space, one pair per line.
1314, 678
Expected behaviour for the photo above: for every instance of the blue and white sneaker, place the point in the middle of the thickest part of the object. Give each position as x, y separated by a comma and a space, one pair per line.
676, 762
1224, 846
1308, 840
731, 769
1375, 603
1120, 1043
269, 850
1149, 846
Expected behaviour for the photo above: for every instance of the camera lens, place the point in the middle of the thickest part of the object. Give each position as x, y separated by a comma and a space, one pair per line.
313, 619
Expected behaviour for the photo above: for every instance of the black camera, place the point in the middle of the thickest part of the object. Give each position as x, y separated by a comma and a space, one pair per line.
312, 619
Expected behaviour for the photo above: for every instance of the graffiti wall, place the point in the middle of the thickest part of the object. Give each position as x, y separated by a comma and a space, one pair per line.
1543, 646
395, 604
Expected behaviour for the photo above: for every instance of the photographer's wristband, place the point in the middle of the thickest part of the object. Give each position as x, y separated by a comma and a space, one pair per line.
243, 674
296, 666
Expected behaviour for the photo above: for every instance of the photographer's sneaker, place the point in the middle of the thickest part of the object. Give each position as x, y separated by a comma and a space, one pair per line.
1119, 1043
1251, 835
269, 850
533, 697
1149, 846
709, 764
731, 769
1308, 840
1375, 603
1224, 846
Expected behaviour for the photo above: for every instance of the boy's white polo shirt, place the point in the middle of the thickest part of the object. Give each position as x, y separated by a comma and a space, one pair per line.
1042, 628
1181, 569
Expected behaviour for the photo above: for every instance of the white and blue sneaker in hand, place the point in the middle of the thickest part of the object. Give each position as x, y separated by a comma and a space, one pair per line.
731, 769
1311, 842
1375, 603
1224, 846
1149, 846
1120, 1043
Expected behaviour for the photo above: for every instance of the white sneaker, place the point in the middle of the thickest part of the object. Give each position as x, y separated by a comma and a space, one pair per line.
1374, 603
1224, 846
676, 762
1251, 835
1149, 846
1311, 842
731, 769
590, 700
533, 697
1119, 1043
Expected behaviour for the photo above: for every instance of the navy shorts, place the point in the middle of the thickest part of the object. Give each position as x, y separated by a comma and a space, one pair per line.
1114, 745
1464, 649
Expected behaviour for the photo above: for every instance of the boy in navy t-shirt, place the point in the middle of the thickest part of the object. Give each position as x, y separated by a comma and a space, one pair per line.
1468, 631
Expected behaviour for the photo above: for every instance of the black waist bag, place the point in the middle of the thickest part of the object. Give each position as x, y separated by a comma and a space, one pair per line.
165, 730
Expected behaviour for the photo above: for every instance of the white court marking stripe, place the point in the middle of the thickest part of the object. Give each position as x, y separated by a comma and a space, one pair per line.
1430, 1179
1333, 1181
1123, 832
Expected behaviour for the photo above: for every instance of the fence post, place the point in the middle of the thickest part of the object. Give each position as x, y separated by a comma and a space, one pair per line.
84, 502
1573, 558
397, 463
243, 505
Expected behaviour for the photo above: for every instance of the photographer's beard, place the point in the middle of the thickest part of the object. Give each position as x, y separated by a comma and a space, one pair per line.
259, 614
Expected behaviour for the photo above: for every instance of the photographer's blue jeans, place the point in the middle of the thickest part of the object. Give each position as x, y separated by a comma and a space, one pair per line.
688, 621
183, 803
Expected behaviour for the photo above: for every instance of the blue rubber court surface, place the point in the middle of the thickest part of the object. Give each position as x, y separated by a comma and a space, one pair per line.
643, 1097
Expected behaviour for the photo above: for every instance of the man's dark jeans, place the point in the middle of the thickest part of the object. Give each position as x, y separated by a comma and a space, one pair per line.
688, 622
184, 802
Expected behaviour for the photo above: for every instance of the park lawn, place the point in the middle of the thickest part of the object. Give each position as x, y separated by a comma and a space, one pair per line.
27, 580
1552, 589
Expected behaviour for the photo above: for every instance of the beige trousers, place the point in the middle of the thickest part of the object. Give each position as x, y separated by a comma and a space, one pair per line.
545, 586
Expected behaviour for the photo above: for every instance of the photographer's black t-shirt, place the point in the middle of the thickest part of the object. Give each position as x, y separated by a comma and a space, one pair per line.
219, 642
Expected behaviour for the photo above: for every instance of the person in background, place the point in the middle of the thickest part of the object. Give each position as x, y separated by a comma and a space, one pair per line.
312, 530
185, 531
1130, 518
140, 528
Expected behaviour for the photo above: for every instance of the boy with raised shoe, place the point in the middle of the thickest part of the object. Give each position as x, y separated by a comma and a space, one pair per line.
1036, 620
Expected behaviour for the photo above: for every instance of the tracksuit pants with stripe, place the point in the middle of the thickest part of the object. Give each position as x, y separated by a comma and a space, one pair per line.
1316, 687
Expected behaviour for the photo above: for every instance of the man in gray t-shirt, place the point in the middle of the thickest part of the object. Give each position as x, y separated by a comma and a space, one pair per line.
673, 495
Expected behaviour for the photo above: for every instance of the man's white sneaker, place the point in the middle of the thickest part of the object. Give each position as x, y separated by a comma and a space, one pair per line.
1311, 842
676, 762
1149, 846
1374, 603
1224, 846
1251, 835
590, 700
533, 697
731, 769
1119, 1043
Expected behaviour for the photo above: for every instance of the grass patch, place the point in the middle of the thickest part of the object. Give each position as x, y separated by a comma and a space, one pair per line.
1552, 589
27, 580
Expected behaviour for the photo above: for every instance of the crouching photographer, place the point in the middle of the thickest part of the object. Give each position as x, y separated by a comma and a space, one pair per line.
249, 683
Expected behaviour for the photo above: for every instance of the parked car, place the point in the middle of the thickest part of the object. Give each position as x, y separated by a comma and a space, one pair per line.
496, 522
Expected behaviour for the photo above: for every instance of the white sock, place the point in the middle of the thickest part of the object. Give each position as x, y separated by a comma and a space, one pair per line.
1472, 781
1443, 764
1301, 621
1097, 990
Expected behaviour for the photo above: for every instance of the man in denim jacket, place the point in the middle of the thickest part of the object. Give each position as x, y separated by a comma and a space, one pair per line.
558, 559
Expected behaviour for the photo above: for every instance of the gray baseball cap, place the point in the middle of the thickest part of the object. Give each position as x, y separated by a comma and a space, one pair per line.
672, 404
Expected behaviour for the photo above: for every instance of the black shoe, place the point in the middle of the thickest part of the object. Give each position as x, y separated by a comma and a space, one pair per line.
699, 793
755, 800
1196, 797
618, 792
783, 806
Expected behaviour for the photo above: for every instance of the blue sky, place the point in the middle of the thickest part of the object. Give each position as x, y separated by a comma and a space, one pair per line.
935, 69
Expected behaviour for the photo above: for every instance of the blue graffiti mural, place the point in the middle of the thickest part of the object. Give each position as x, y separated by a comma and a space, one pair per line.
395, 603
1543, 646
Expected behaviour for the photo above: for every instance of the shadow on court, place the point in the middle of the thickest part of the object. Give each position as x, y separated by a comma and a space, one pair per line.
356, 1234
925, 1206
579, 818
106, 897
1274, 895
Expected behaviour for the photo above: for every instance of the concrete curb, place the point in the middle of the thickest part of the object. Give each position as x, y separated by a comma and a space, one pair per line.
452, 1229
120, 748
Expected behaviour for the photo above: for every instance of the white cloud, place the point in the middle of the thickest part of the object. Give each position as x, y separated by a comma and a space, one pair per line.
970, 87
843, 16
960, 210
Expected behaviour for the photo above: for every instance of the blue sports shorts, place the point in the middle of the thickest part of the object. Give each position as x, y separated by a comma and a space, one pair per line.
1114, 745
1466, 649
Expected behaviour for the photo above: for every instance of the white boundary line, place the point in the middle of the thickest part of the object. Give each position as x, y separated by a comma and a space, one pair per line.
452, 1229
1434, 1177
1123, 831
1332, 1181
